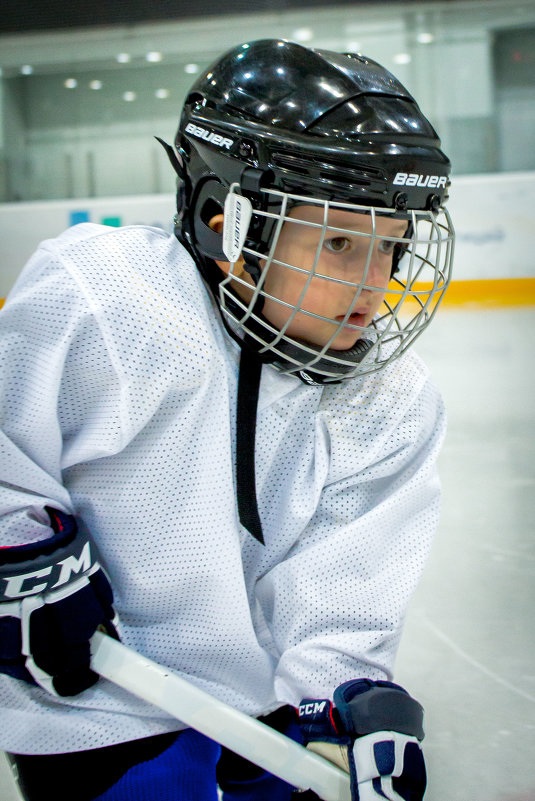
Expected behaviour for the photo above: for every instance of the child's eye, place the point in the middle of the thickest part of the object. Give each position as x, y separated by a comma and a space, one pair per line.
337, 244
386, 247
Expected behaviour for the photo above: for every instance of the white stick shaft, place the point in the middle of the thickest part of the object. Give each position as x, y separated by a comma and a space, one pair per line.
197, 709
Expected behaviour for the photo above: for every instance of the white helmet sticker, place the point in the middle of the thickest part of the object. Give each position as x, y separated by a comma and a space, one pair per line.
237, 216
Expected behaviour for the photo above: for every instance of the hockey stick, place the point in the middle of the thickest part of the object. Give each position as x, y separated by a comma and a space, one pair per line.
240, 733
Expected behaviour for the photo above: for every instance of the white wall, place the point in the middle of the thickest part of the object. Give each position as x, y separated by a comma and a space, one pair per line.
492, 215
24, 225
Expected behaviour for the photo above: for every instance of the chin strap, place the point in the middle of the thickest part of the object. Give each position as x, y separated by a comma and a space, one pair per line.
248, 386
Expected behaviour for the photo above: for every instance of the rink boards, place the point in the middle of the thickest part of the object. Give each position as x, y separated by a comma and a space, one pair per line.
494, 257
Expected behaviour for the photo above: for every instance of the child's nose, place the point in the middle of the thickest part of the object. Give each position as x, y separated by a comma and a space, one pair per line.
378, 274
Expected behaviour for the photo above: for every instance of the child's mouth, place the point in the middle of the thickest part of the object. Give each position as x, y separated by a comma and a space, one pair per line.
356, 318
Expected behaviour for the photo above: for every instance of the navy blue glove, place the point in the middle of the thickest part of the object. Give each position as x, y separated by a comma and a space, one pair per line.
54, 594
373, 730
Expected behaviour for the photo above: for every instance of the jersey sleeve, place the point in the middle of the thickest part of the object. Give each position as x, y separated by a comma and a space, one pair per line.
44, 327
335, 606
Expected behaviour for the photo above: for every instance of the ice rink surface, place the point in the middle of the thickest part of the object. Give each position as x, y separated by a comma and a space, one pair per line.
468, 651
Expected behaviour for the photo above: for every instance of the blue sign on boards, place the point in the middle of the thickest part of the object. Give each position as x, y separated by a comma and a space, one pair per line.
76, 217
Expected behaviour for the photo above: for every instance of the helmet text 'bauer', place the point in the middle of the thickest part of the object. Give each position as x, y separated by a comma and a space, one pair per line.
414, 179
209, 136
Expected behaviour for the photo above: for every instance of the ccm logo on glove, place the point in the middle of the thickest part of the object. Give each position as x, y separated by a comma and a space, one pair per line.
314, 708
21, 584
373, 730
54, 594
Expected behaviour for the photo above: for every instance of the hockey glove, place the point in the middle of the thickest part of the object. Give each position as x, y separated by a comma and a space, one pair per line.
53, 596
373, 732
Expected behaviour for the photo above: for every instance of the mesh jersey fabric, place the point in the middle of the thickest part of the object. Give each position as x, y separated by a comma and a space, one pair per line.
119, 394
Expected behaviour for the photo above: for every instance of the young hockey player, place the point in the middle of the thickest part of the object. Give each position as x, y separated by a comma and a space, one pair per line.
232, 418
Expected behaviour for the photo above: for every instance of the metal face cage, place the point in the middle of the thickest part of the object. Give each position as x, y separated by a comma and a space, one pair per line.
403, 305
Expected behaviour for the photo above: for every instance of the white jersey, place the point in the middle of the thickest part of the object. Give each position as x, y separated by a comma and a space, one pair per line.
119, 404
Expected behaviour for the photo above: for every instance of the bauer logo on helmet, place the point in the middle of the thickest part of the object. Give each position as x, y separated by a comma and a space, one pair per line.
209, 136
415, 179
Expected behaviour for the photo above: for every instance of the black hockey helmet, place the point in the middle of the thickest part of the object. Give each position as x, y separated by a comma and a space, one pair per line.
309, 122
280, 125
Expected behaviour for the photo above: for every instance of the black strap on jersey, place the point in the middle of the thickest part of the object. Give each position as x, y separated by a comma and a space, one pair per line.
248, 387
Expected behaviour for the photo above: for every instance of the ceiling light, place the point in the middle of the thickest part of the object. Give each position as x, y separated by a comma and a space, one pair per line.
123, 58
191, 69
154, 56
70, 83
162, 94
402, 58
303, 34
26, 69
425, 37
129, 96
95, 84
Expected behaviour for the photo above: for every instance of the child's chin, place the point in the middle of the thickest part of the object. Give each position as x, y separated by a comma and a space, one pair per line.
345, 341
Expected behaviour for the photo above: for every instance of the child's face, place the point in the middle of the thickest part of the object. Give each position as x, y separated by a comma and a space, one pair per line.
343, 256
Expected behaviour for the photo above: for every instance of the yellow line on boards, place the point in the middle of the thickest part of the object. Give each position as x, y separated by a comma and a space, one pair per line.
492, 292
485, 292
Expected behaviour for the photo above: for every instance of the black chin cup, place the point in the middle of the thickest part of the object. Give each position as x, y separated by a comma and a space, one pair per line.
331, 368
292, 355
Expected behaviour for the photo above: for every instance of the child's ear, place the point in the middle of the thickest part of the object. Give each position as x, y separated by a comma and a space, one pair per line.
216, 224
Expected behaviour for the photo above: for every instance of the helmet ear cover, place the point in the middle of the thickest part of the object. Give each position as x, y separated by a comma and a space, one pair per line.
208, 201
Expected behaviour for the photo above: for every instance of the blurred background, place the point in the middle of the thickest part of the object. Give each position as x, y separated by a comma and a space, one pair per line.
84, 88
79, 107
